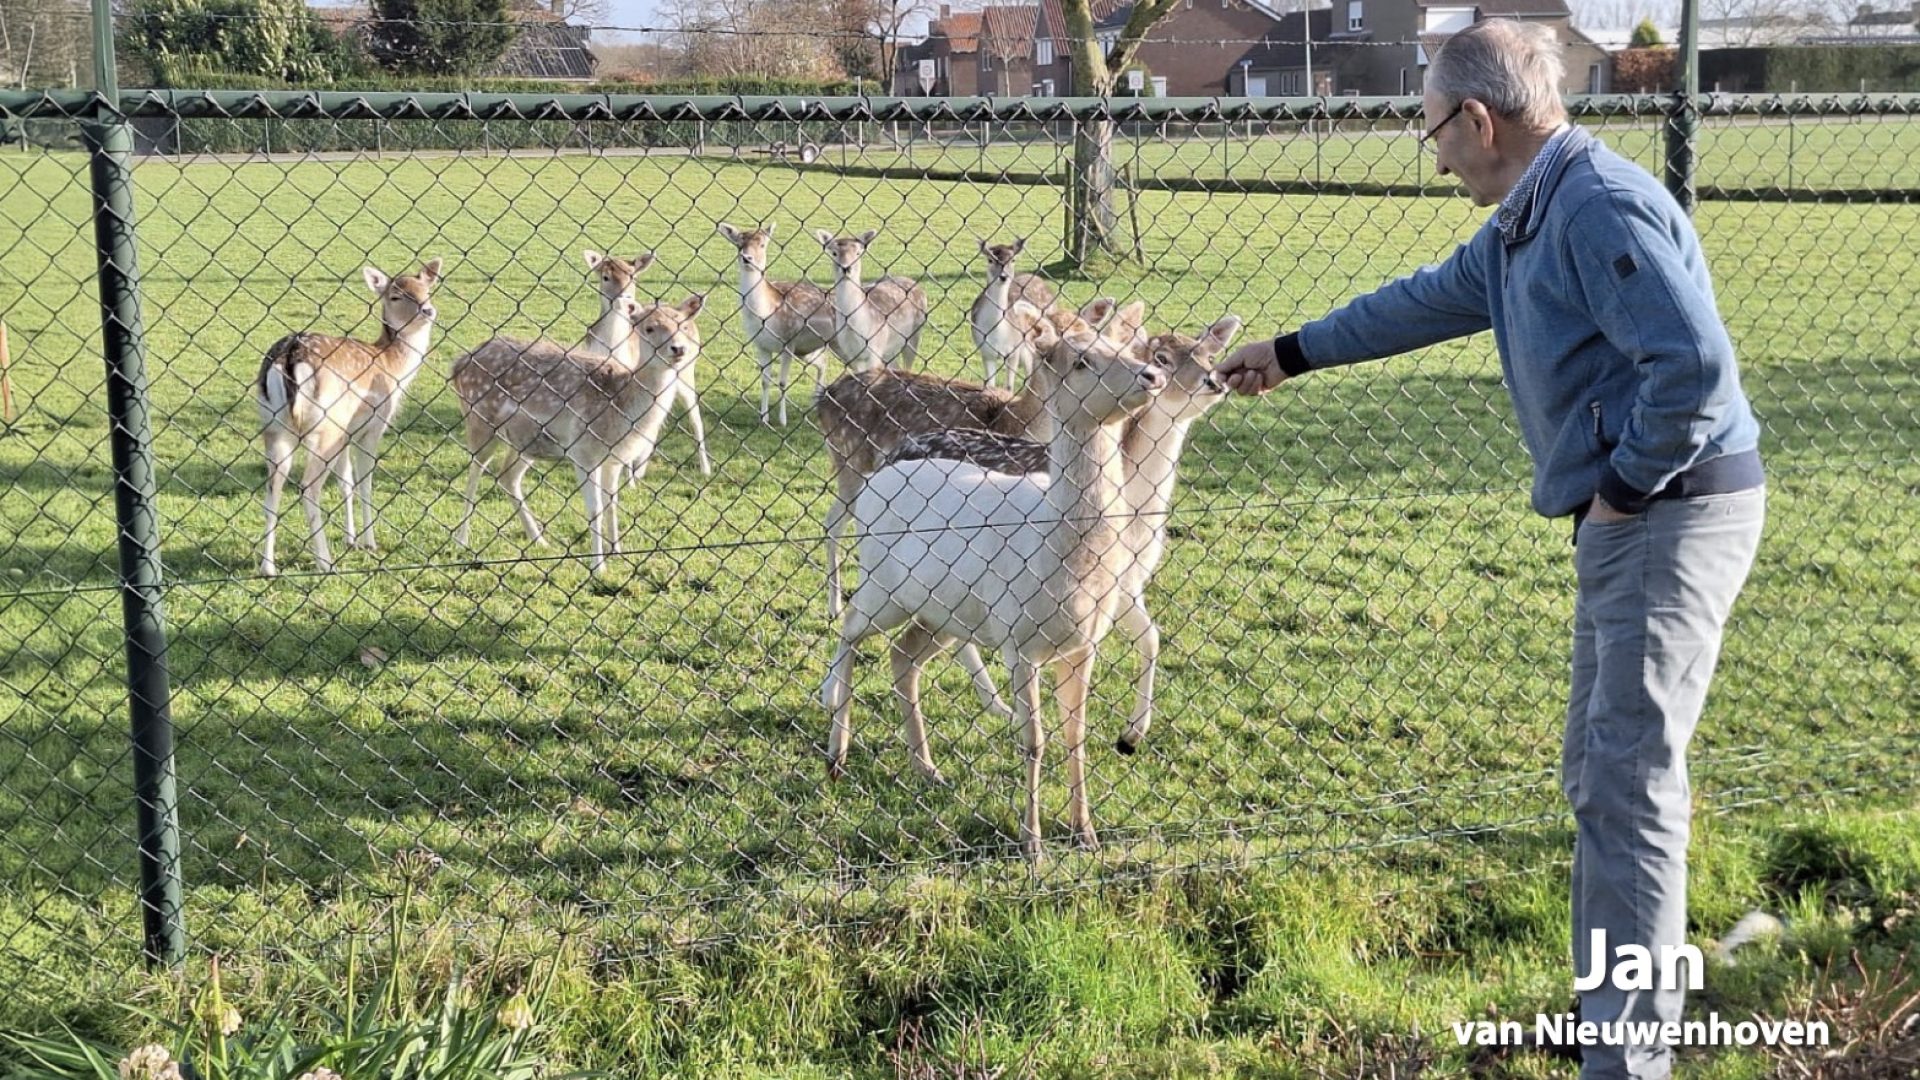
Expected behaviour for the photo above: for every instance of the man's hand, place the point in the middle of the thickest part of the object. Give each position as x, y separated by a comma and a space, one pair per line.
1603, 512
1252, 369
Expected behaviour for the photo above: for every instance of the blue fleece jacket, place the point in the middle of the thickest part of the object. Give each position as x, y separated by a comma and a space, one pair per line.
1621, 372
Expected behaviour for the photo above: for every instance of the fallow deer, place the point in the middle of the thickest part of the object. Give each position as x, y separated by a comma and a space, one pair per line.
337, 397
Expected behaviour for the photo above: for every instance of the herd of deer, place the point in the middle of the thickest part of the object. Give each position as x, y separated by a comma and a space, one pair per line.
1027, 519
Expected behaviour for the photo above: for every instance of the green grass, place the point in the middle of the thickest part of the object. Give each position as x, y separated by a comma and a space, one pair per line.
1743, 154
1365, 638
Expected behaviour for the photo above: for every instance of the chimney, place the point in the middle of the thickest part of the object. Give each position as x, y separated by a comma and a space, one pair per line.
1864, 11
560, 8
946, 11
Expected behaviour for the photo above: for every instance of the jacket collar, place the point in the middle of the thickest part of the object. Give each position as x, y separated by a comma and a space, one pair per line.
1529, 198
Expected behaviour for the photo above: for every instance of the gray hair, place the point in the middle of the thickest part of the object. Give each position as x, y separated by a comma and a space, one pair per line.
1513, 68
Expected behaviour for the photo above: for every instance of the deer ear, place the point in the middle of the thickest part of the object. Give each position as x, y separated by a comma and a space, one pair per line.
1127, 322
986, 249
867, 237
825, 238
1020, 245
1097, 312
593, 259
644, 261
1219, 336
376, 280
768, 229
694, 304
431, 271
732, 234
630, 306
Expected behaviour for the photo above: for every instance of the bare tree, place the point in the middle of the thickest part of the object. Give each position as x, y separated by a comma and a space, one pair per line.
888, 21
759, 38
44, 43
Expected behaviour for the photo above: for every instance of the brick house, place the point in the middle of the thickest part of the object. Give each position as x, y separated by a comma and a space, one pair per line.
952, 46
1007, 49
1388, 41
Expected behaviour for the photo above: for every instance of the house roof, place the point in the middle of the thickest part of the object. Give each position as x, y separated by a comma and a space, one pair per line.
962, 31
1006, 31
1884, 18
547, 47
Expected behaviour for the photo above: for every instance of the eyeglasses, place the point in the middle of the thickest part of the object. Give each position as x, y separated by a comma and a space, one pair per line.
1426, 140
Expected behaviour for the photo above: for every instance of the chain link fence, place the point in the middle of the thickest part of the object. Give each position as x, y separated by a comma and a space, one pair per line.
1363, 631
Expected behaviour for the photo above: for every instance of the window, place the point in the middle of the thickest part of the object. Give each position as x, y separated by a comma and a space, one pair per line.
1043, 52
1159, 86
1403, 82
1046, 87
1355, 21
1595, 81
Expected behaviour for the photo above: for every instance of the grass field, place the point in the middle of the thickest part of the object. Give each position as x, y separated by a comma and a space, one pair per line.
1365, 645
1740, 154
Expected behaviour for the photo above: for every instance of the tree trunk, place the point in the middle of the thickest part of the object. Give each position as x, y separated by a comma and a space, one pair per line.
1091, 220
1091, 195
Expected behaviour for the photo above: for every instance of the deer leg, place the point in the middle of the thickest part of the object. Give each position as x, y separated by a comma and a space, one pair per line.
312, 482
765, 360
691, 398
610, 476
983, 688
1075, 676
590, 494
280, 443
343, 470
513, 479
909, 656
1024, 679
1135, 622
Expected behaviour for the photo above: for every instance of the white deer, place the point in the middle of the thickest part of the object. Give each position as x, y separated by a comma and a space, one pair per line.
1034, 569
864, 416
337, 397
787, 319
995, 334
1150, 447
874, 325
603, 414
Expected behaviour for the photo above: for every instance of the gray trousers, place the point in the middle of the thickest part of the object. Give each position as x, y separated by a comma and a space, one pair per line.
1654, 596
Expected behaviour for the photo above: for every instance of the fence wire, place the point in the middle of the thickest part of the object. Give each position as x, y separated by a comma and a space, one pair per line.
1363, 631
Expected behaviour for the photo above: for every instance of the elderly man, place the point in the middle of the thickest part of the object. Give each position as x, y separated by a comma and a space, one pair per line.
1623, 380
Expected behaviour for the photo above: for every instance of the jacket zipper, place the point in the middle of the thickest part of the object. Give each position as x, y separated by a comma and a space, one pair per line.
1598, 439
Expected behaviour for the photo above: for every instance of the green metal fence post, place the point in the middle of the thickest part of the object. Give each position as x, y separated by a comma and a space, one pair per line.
1683, 126
109, 143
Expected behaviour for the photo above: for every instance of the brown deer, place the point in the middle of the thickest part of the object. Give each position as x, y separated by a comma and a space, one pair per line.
787, 319
603, 414
874, 325
337, 397
999, 339
616, 281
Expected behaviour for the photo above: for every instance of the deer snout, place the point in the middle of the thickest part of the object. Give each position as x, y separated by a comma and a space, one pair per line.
428, 312
1212, 384
1153, 378
677, 351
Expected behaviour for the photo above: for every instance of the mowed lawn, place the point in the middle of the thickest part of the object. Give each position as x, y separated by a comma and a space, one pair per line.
1365, 627
1741, 154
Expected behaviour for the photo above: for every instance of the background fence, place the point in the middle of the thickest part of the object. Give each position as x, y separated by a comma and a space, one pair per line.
1365, 630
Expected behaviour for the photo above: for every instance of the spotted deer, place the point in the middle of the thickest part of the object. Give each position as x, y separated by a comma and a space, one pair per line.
864, 415
1151, 444
616, 281
1001, 344
1031, 568
874, 325
787, 319
603, 414
336, 397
